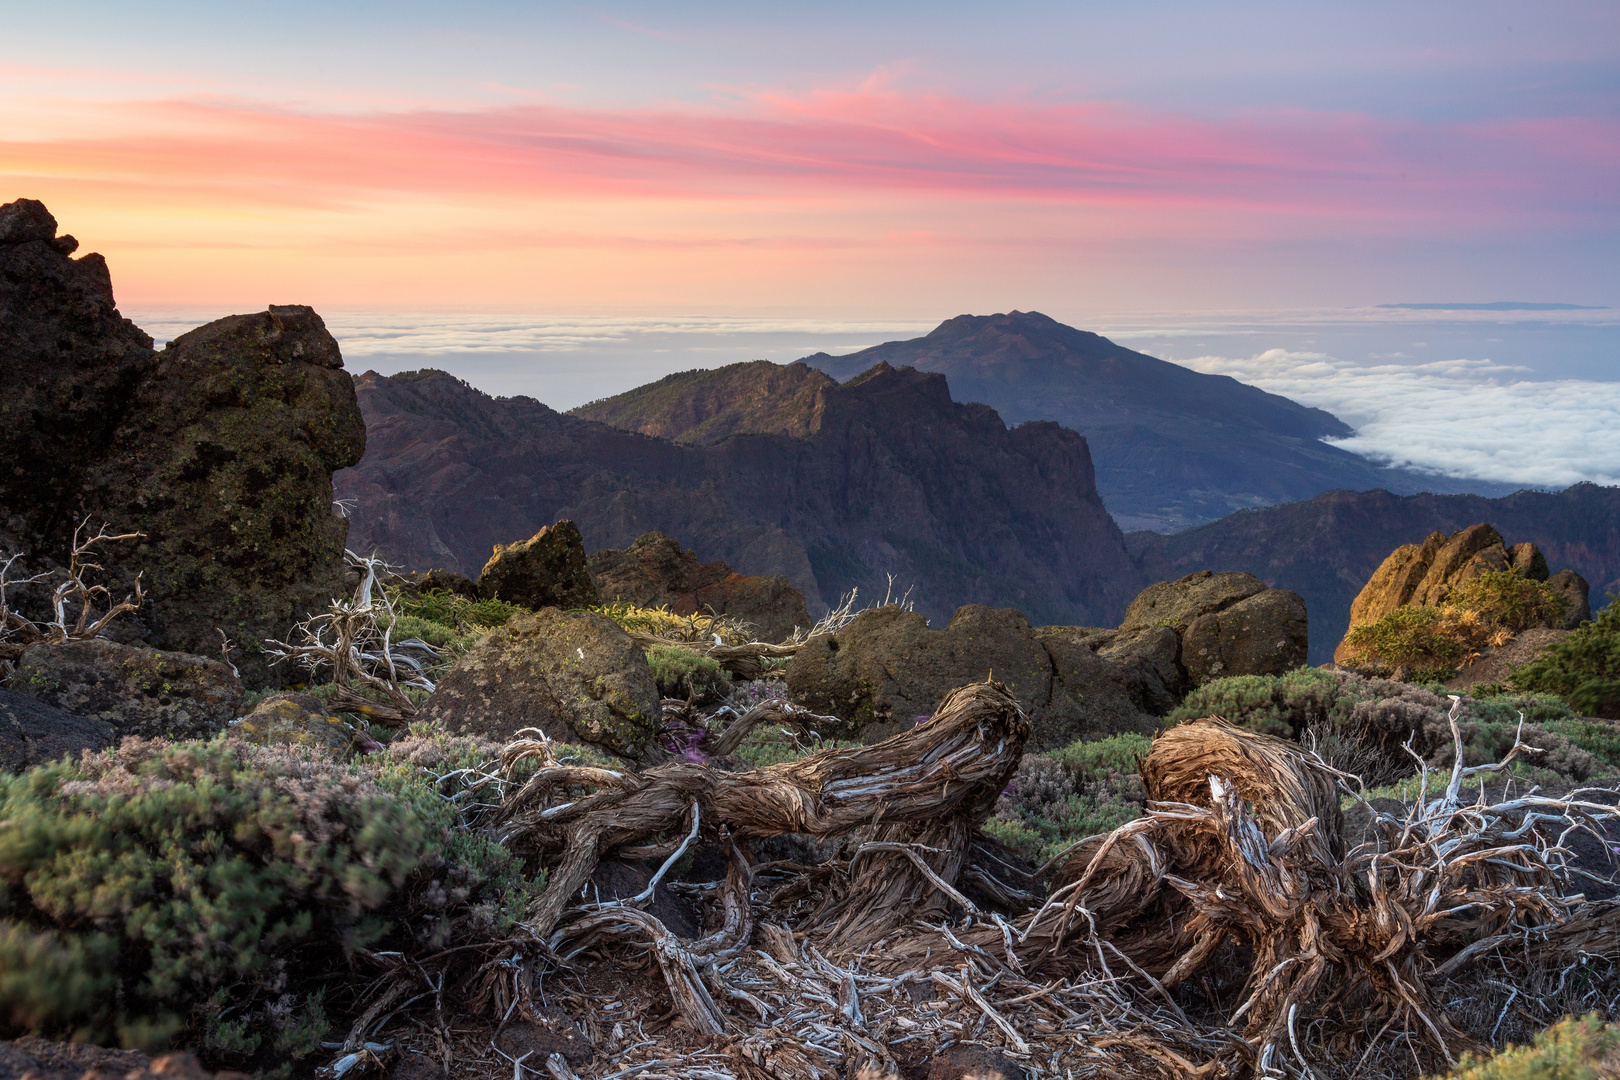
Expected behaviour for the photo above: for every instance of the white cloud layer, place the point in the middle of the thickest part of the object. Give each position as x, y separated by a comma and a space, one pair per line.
1471, 418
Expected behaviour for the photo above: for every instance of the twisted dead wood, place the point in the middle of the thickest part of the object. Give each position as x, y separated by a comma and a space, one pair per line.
930, 786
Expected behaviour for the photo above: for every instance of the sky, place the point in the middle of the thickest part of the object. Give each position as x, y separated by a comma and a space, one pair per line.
887, 162
566, 200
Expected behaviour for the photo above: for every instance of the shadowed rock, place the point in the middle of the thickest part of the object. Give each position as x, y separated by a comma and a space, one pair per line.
33, 732
546, 570
138, 691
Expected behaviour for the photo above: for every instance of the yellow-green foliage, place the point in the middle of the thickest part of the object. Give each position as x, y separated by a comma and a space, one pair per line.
1508, 599
1486, 610
1583, 668
1584, 1049
682, 672
1420, 638
664, 623
210, 894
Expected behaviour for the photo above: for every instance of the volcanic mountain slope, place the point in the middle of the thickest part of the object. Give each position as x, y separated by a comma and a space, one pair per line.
884, 474
1327, 548
1173, 447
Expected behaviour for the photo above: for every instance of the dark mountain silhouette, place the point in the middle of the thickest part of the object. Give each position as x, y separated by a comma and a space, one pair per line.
884, 474
1327, 548
1173, 447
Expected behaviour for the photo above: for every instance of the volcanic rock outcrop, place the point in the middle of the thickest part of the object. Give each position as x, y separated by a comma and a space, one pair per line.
656, 571
889, 477
218, 449
546, 570
1423, 575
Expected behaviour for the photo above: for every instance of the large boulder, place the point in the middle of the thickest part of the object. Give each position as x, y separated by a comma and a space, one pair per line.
1175, 604
138, 691
656, 571
887, 670
219, 449
1265, 634
1573, 588
574, 675
35, 733
1206, 625
1423, 575
546, 570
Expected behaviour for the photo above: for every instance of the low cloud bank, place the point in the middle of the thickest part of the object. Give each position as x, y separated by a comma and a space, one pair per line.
1469, 418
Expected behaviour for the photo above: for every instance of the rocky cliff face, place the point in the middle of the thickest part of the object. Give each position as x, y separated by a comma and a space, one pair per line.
1328, 548
219, 449
895, 478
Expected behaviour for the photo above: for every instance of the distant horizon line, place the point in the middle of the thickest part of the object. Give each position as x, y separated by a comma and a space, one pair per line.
1499, 305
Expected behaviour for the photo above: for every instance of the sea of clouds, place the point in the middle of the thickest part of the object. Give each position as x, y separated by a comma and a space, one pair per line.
1532, 400
1470, 418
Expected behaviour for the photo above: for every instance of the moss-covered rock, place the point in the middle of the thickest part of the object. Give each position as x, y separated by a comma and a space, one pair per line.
574, 675
546, 570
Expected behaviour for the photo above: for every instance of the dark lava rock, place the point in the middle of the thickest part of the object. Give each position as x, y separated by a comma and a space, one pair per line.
138, 691
35, 733
1573, 587
220, 449
552, 1031
576, 676
656, 571
438, 580
968, 1062
417, 1066
1265, 634
546, 570
887, 670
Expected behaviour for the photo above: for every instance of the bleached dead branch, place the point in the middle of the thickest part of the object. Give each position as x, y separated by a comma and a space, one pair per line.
371, 672
80, 607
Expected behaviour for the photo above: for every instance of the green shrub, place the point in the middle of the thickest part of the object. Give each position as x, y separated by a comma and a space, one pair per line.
682, 672
768, 744
1569, 1050
211, 894
1084, 789
1508, 599
1583, 668
1115, 754
454, 611
1419, 638
1282, 705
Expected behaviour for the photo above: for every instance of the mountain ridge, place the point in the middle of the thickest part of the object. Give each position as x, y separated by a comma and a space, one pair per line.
897, 478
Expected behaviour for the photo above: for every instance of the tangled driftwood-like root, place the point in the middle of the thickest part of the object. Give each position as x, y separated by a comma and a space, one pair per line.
913, 785
1242, 843
371, 671
81, 608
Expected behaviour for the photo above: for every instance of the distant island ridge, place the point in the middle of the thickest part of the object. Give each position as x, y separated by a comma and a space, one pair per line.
1499, 305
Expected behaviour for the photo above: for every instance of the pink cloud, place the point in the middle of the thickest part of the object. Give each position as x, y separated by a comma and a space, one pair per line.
843, 145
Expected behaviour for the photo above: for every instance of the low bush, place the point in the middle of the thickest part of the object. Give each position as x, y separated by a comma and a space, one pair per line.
455, 619
213, 895
1583, 668
1583, 1049
1508, 599
686, 673
1078, 791
1362, 725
